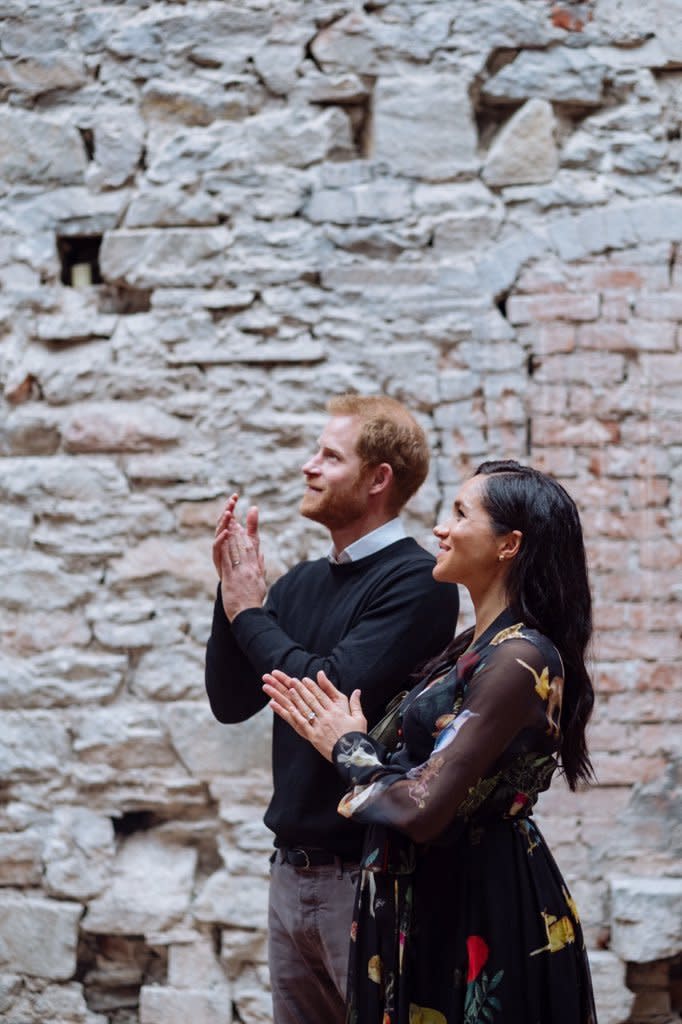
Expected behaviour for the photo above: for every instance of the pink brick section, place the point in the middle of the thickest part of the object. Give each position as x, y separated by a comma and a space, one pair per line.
604, 408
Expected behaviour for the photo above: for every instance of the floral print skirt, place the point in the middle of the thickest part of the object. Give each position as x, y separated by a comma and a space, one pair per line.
481, 931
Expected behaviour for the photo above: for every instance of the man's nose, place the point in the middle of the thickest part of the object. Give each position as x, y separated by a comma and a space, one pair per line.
310, 466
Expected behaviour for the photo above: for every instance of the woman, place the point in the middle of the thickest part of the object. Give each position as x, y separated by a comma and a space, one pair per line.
462, 916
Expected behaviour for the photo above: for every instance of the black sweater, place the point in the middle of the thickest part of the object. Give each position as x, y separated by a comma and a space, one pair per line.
368, 624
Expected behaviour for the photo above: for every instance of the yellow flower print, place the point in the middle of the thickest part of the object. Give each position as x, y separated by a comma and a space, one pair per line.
423, 1015
541, 681
510, 633
560, 933
375, 969
571, 904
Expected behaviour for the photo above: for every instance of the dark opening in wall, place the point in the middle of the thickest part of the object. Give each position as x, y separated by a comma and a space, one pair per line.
134, 821
79, 257
113, 969
88, 138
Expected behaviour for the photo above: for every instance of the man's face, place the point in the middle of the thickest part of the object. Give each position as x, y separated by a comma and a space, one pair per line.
337, 486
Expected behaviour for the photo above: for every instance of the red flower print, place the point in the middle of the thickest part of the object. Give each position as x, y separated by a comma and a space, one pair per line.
467, 663
520, 801
477, 952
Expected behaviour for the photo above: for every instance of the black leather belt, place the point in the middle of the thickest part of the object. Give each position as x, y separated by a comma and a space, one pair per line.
301, 857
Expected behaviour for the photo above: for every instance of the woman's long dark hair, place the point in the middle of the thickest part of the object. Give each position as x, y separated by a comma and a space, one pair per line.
547, 587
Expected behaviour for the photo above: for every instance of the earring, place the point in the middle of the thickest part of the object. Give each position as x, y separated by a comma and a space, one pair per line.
500, 558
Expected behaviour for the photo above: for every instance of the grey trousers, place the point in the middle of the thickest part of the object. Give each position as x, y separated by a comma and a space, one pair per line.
309, 919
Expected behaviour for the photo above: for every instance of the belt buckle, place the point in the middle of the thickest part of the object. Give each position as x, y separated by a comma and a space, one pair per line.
298, 849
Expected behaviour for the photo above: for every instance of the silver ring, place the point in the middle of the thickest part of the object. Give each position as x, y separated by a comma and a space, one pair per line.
311, 715
237, 562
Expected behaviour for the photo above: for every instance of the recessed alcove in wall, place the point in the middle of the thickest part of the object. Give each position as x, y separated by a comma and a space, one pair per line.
79, 258
113, 968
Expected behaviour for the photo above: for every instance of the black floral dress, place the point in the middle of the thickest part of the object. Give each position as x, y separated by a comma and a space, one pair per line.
461, 915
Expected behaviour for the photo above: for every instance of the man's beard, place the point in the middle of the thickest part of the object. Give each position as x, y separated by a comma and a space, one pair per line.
335, 509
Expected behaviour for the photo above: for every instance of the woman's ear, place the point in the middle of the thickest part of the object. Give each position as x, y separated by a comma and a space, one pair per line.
510, 545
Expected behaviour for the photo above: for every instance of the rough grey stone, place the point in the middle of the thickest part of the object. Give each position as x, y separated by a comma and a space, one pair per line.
422, 126
525, 150
38, 936
174, 257
347, 45
20, 862
40, 150
277, 64
194, 965
115, 426
613, 998
78, 853
503, 24
560, 74
194, 102
646, 918
372, 201
150, 888
237, 900
224, 749
119, 140
35, 74
122, 736
160, 1005
171, 206
170, 673
39, 573
159, 556
77, 328
59, 678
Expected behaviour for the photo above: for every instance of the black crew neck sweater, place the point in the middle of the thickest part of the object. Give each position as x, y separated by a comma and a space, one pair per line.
368, 624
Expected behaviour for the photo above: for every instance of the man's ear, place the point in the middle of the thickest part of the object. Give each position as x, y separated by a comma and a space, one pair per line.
381, 478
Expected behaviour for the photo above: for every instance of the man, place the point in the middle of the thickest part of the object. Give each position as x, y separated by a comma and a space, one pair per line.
367, 615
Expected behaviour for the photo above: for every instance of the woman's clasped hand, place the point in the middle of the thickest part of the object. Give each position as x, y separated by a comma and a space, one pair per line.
316, 711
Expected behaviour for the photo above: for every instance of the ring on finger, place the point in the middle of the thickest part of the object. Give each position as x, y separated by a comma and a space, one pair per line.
310, 716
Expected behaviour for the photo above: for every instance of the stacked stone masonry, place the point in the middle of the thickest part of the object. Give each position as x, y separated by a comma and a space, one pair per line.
215, 214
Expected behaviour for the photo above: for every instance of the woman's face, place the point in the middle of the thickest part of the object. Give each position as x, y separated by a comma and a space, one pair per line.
470, 551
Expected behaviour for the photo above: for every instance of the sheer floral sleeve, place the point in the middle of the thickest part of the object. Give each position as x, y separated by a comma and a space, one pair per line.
512, 688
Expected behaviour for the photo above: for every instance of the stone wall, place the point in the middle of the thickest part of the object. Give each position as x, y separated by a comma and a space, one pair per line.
214, 215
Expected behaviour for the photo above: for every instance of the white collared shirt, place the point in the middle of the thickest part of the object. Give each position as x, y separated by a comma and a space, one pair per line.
372, 542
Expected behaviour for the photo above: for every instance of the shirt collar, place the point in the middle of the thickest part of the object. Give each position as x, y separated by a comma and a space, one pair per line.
372, 542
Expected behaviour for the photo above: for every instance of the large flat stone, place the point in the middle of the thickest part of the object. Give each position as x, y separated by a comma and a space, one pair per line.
165, 1005
39, 149
78, 854
150, 889
646, 918
224, 749
423, 126
38, 936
